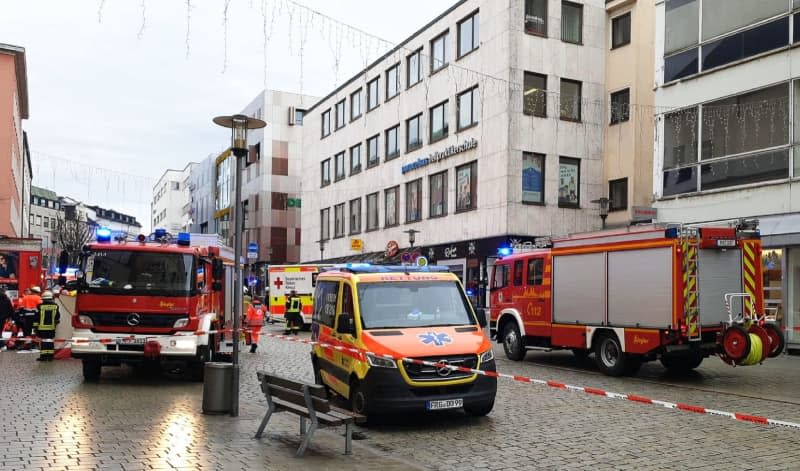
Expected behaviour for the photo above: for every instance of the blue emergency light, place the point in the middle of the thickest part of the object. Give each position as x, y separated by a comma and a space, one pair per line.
159, 233
504, 251
103, 234
184, 239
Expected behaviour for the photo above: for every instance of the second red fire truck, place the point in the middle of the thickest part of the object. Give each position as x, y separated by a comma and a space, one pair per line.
674, 293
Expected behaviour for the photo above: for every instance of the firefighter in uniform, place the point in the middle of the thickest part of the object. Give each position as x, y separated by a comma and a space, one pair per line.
254, 321
45, 325
294, 320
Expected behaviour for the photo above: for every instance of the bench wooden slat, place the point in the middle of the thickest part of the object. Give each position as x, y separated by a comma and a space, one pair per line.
315, 390
323, 418
296, 397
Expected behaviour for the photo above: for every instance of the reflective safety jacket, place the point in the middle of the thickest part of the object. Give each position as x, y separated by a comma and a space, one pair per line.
293, 305
49, 316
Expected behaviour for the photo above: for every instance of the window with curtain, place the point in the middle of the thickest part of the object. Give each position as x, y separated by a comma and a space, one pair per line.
534, 97
438, 194
372, 211
536, 17
390, 198
355, 216
572, 22
621, 30
414, 200
338, 217
570, 100
325, 224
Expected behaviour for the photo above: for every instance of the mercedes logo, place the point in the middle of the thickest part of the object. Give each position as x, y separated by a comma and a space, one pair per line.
133, 319
443, 370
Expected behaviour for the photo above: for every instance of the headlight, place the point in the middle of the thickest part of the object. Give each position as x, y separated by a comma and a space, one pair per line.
85, 320
182, 322
380, 362
488, 355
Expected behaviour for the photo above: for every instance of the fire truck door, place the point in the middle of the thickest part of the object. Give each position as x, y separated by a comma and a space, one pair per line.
534, 302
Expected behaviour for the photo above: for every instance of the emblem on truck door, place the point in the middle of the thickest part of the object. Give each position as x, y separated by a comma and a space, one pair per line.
437, 339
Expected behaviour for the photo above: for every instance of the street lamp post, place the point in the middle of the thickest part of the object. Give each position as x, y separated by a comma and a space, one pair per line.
603, 202
239, 125
411, 236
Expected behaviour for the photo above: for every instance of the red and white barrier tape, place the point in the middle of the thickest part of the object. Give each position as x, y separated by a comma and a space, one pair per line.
757, 419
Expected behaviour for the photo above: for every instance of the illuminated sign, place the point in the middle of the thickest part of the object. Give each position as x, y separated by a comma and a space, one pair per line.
439, 156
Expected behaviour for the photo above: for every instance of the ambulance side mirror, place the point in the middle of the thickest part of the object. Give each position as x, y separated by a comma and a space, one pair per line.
481, 314
346, 324
217, 269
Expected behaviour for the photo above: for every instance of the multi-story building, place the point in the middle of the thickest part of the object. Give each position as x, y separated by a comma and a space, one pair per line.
727, 132
45, 212
483, 129
170, 208
271, 177
629, 76
15, 168
119, 224
201, 196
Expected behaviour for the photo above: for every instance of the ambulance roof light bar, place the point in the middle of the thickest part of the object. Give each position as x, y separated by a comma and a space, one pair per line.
369, 268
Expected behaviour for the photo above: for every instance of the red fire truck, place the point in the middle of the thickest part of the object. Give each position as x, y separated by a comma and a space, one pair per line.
20, 265
142, 301
672, 293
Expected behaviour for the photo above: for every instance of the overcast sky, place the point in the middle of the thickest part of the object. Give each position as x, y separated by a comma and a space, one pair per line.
115, 101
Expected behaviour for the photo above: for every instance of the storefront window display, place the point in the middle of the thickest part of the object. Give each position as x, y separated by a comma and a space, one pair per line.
793, 295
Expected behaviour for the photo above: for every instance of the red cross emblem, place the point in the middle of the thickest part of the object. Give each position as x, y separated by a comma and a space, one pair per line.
278, 283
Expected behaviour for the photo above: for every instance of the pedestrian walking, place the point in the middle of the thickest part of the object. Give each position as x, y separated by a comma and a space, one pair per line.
49, 317
294, 320
254, 321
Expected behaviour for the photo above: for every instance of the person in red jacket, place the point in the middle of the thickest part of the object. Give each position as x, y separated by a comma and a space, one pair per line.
254, 320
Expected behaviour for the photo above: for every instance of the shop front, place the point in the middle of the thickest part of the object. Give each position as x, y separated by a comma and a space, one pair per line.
780, 258
471, 260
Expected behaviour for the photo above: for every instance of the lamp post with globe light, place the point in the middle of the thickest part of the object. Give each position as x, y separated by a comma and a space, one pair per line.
239, 124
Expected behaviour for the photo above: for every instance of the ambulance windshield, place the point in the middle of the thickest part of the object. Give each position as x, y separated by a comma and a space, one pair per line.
144, 273
405, 304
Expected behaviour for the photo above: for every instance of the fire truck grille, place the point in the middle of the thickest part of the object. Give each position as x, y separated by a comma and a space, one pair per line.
432, 373
130, 319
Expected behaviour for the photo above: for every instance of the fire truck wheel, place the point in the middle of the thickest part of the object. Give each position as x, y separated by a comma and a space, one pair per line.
680, 363
776, 340
609, 355
91, 370
512, 342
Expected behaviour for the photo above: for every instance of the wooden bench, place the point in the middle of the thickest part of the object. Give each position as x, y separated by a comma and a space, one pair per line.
309, 401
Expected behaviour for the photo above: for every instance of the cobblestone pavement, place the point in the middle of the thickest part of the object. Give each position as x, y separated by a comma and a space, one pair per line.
133, 421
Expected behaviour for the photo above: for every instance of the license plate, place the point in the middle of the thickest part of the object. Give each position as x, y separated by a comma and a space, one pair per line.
134, 341
445, 404
726, 243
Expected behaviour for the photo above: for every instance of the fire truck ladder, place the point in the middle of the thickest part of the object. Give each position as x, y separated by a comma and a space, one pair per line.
690, 242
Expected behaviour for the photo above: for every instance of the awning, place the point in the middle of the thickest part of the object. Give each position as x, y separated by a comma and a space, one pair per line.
779, 231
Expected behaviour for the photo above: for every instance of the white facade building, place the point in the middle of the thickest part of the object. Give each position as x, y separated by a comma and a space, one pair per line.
484, 128
171, 201
725, 141
45, 211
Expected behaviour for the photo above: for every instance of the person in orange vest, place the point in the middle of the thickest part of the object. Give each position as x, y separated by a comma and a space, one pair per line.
29, 307
254, 320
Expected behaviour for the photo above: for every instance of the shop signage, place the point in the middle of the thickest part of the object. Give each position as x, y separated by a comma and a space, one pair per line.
293, 202
643, 213
356, 245
438, 156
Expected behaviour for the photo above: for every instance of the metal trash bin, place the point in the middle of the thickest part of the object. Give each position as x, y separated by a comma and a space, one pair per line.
217, 384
